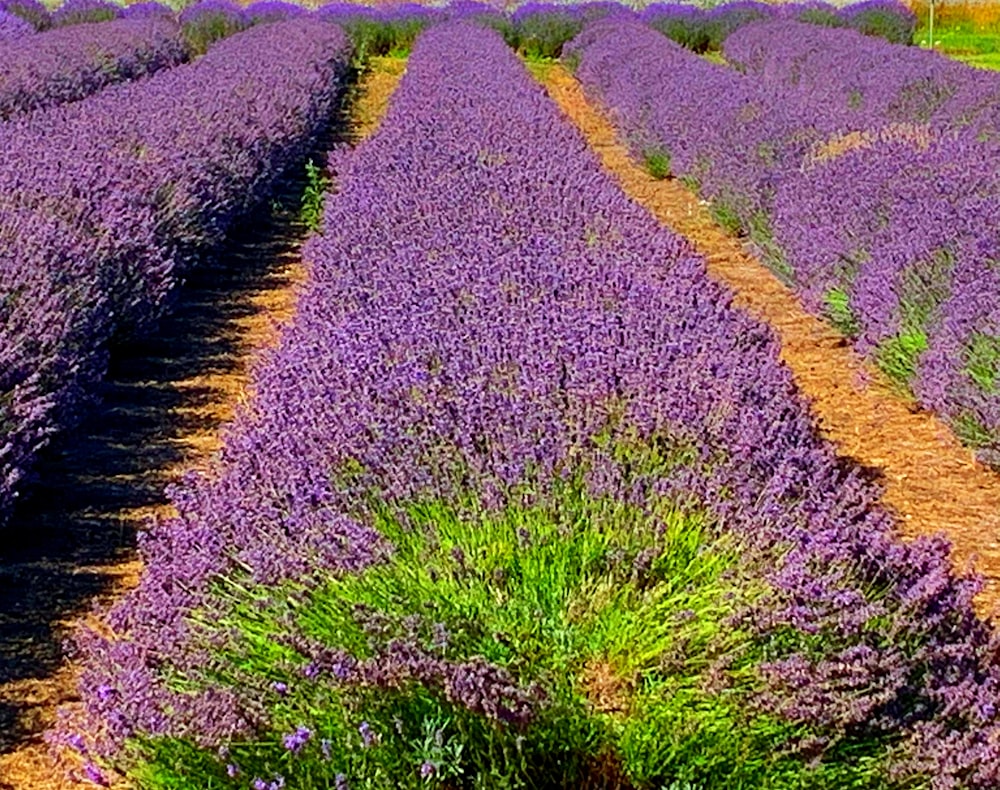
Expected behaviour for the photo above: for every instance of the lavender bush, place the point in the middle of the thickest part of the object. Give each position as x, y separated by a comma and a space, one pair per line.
208, 21
704, 30
75, 12
148, 9
103, 203
522, 500
896, 240
685, 24
887, 19
13, 27
860, 170
31, 11
381, 31
65, 65
734, 149
540, 30
264, 11
880, 82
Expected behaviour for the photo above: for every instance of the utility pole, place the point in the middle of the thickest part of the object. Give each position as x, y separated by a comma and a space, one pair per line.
930, 24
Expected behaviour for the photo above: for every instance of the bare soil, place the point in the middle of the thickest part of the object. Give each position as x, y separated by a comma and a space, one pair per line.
931, 481
70, 551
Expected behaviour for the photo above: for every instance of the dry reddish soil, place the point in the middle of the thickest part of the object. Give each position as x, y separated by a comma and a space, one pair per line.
70, 552
930, 480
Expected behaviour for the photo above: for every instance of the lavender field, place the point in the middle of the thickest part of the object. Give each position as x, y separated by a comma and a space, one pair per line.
520, 496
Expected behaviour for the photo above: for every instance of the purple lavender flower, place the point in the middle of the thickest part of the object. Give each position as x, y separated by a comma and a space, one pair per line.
13, 27
95, 775
294, 742
76, 12
368, 737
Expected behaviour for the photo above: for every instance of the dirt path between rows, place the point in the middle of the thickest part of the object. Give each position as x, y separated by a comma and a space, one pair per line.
932, 482
71, 548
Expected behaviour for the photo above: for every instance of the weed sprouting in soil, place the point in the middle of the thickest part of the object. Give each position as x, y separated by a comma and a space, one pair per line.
657, 162
316, 186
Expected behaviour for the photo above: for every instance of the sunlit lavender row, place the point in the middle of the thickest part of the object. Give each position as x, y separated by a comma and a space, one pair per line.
106, 201
522, 500
861, 170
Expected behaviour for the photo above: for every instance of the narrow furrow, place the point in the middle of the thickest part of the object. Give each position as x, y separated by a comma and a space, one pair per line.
930, 480
165, 403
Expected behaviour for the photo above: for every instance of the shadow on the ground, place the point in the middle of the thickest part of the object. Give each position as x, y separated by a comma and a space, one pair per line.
96, 483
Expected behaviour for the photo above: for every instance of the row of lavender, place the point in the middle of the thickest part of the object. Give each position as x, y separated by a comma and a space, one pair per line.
878, 82
105, 201
95, 44
537, 29
909, 222
497, 359
70, 63
74, 12
861, 170
706, 30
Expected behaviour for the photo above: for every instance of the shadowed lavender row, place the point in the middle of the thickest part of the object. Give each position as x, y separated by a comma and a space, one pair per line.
882, 221
68, 64
488, 313
105, 201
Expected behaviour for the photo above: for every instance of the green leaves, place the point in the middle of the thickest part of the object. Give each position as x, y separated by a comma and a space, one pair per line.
317, 183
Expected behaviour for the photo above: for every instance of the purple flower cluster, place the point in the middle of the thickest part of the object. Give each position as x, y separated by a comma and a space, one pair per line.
227, 12
65, 65
700, 29
273, 11
104, 201
907, 232
900, 225
875, 80
13, 27
379, 30
30, 11
889, 19
735, 147
860, 169
76, 12
208, 21
483, 303
147, 9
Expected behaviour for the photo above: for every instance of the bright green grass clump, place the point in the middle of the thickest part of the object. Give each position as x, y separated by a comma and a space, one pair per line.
317, 184
923, 288
837, 308
657, 162
897, 356
617, 625
982, 361
990, 61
